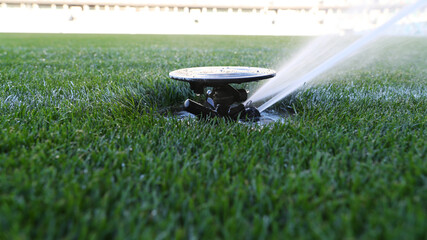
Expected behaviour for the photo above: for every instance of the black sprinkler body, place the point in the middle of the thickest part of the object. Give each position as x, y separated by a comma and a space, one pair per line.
222, 100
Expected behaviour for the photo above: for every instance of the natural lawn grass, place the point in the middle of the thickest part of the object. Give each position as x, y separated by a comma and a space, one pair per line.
86, 152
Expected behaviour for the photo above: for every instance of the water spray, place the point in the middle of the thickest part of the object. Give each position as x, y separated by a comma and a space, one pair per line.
283, 84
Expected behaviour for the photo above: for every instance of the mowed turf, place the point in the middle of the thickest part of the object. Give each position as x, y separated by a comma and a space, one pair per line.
87, 150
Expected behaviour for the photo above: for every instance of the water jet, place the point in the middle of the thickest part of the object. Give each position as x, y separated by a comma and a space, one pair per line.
319, 57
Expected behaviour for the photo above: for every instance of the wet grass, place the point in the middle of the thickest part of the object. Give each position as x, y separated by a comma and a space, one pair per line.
85, 153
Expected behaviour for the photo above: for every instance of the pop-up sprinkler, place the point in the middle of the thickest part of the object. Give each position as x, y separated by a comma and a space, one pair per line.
222, 100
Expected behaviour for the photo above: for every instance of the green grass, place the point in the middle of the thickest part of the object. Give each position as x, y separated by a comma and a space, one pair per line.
86, 152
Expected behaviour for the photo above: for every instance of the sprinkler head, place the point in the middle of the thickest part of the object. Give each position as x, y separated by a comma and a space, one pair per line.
222, 100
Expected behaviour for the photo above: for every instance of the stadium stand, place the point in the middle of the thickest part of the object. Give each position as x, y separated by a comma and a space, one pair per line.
243, 17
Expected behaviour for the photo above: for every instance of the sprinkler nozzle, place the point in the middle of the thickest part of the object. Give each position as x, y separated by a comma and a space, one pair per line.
252, 114
198, 109
222, 101
241, 112
236, 112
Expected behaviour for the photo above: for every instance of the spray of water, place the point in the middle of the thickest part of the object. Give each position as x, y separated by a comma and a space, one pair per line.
316, 59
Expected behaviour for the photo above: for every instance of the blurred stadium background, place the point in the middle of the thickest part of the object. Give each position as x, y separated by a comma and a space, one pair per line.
234, 17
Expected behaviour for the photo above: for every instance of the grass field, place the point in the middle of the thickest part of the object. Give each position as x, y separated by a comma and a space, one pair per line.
86, 152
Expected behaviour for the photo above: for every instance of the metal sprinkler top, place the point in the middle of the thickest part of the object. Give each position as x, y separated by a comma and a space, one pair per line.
222, 100
211, 76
